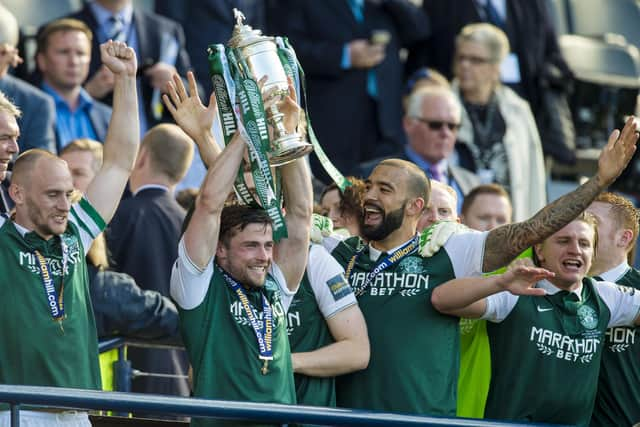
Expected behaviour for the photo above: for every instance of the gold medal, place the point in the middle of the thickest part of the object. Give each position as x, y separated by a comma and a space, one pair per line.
265, 367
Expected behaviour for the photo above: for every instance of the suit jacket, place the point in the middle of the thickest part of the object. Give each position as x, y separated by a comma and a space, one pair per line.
6, 203
340, 107
143, 240
38, 113
208, 22
149, 29
464, 178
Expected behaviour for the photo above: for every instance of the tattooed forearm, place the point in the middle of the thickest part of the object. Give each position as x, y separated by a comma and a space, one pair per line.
506, 242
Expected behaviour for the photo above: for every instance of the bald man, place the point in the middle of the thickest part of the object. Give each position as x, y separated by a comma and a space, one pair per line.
49, 334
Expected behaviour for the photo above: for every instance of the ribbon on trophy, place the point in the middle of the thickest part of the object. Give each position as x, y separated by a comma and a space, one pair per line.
231, 82
294, 70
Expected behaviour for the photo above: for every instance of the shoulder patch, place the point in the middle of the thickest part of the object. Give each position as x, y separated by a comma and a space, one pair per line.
339, 287
626, 289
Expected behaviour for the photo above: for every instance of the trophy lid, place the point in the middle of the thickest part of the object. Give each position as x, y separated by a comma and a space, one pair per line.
244, 35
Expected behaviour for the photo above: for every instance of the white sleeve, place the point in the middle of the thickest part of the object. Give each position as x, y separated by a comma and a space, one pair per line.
286, 295
466, 251
499, 306
189, 284
332, 241
623, 302
88, 221
326, 275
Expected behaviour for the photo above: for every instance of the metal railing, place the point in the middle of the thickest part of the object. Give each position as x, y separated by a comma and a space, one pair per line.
16, 395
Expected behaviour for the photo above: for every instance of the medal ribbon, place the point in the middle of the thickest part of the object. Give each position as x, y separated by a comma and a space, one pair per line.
264, 332
54, 301
393, 258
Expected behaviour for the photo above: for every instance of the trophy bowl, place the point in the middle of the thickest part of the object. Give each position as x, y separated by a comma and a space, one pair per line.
260, 54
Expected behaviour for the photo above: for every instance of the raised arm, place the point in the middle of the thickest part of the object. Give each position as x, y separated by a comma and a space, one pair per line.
192, 116
466, 297
292, 252
506, 242
201, 235
121, 143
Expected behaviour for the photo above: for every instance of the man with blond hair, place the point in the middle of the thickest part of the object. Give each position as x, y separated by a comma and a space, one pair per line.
9, 133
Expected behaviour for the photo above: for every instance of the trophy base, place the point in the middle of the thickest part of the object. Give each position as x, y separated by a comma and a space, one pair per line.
290, 147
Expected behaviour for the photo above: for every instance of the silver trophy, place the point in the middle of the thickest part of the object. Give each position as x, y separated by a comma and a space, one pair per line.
260, 54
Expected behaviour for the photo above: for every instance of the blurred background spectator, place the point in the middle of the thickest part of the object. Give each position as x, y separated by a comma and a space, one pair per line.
498, 138
344, 208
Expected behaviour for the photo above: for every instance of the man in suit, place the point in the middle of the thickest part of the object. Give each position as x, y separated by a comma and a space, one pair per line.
143, 240
431, 125
38, 111
9, 115
209, 21
158, 41
348, 48
64, 50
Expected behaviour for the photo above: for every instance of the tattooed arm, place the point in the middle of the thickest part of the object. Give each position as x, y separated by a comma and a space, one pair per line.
504, 243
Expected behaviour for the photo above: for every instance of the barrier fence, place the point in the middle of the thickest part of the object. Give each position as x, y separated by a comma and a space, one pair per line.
16, 395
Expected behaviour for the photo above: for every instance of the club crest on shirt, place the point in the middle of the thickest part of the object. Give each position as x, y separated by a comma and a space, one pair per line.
588, 317
410, 265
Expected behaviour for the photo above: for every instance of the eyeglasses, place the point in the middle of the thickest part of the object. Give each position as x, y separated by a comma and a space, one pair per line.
438, 124
475, 60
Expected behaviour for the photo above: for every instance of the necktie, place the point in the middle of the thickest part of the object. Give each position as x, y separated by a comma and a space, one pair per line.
116, 29
357, 8
493, 17
437, 174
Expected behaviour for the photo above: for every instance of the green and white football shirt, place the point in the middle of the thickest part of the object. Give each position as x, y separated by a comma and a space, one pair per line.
35, 349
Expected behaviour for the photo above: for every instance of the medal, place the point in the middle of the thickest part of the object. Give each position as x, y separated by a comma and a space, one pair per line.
265, 367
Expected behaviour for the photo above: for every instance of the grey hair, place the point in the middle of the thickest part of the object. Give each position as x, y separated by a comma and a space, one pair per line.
488, 35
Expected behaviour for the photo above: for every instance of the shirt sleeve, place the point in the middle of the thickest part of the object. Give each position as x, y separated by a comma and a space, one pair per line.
466, 252
623, 303
326, 275
88, 222
189, 284
499, 306
286, 295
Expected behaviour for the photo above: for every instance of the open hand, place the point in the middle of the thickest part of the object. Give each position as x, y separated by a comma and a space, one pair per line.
618, 152
522, 276
186, 108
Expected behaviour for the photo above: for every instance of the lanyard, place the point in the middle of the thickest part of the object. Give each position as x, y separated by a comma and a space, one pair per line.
54, 301
391, 259
262, 330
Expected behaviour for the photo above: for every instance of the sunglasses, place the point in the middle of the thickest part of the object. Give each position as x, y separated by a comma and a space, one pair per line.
438, 124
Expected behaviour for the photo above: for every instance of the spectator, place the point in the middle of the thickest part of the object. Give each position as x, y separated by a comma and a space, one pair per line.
344, 208
354, 79
207, 22
431, 124
119, 305
498, 138
535, 68
143, 241
38, 111
618, 394
442, 206
64, 51
422, 77
486, 207
556, 318
158, 41
55, 235
10, 132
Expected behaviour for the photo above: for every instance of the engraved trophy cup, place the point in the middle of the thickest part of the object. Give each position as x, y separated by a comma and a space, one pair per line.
259, 52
